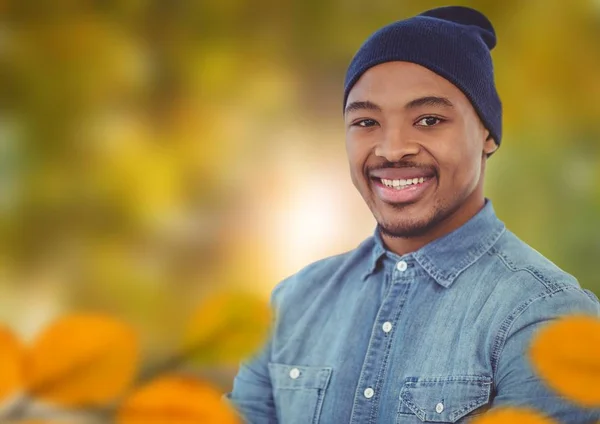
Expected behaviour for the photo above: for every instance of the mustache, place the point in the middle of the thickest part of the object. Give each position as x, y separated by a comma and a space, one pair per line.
402, 164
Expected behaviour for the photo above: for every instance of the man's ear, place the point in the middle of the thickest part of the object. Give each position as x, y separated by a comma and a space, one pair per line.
489, 146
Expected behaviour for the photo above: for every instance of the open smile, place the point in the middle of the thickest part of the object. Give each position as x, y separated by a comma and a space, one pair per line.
406, 190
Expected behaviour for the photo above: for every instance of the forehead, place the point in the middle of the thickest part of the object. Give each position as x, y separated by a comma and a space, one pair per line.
393, 83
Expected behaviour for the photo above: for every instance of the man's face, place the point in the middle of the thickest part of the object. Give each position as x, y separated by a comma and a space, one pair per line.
416, 149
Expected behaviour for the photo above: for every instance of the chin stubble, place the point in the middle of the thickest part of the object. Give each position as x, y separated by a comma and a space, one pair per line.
415, 228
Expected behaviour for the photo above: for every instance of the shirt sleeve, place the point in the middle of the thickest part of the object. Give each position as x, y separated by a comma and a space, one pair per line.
517, 384
252, 393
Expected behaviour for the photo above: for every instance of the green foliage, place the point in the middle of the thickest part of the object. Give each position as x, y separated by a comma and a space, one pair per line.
130, 130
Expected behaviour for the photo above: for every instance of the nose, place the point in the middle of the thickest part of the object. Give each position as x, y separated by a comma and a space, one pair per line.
396, 144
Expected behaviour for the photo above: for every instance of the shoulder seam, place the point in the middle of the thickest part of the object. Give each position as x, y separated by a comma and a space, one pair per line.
549, 285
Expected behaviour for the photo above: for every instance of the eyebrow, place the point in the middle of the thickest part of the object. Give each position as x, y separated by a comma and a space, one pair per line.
366, 105
429, 101
413, 104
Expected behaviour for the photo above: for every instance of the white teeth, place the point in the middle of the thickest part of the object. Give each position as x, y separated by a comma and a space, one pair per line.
400, 184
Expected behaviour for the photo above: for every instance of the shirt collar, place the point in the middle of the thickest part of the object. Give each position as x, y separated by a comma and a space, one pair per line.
376, 254
445, 258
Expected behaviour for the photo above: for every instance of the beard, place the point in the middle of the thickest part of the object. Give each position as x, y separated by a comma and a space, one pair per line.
417, 227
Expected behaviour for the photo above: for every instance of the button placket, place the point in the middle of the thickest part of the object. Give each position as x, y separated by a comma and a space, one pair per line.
375, 363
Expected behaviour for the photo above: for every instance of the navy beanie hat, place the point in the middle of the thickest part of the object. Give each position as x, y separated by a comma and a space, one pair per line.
454, 42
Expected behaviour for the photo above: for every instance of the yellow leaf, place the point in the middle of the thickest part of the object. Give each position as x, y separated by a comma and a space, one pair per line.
81, 360
176, 400
566, 354
11, 363
227, 327
510, 415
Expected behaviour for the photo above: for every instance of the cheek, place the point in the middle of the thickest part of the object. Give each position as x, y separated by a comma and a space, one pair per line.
352, 160
460, 163
357, 154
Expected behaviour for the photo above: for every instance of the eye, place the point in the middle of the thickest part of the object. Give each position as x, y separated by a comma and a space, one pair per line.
429, 121
365, 123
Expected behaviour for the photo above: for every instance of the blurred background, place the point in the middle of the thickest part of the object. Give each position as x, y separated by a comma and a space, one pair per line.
154, 152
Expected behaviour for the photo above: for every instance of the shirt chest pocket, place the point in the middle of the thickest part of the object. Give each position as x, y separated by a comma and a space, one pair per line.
298, 392
443, 399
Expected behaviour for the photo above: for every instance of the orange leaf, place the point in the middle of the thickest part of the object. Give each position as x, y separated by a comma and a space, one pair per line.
566, 354
510, 415
11, 363
228, 327
82, 360
176, 400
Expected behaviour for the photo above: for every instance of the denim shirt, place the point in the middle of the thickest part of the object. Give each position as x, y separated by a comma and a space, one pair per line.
438, 335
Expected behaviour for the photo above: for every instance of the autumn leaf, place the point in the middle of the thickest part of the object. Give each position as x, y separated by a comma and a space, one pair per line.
176, 400
566, 354
513, 416
11, 363
227, 327
82, 360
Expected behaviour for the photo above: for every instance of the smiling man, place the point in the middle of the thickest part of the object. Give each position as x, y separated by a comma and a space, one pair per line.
416, 148
430, 319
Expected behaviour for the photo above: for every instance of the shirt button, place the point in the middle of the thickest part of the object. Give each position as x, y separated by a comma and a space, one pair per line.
369, 392
387, 326
294, 373
401, 266
439, 408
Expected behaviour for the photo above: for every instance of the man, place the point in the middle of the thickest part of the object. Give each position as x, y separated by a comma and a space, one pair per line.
430, 319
